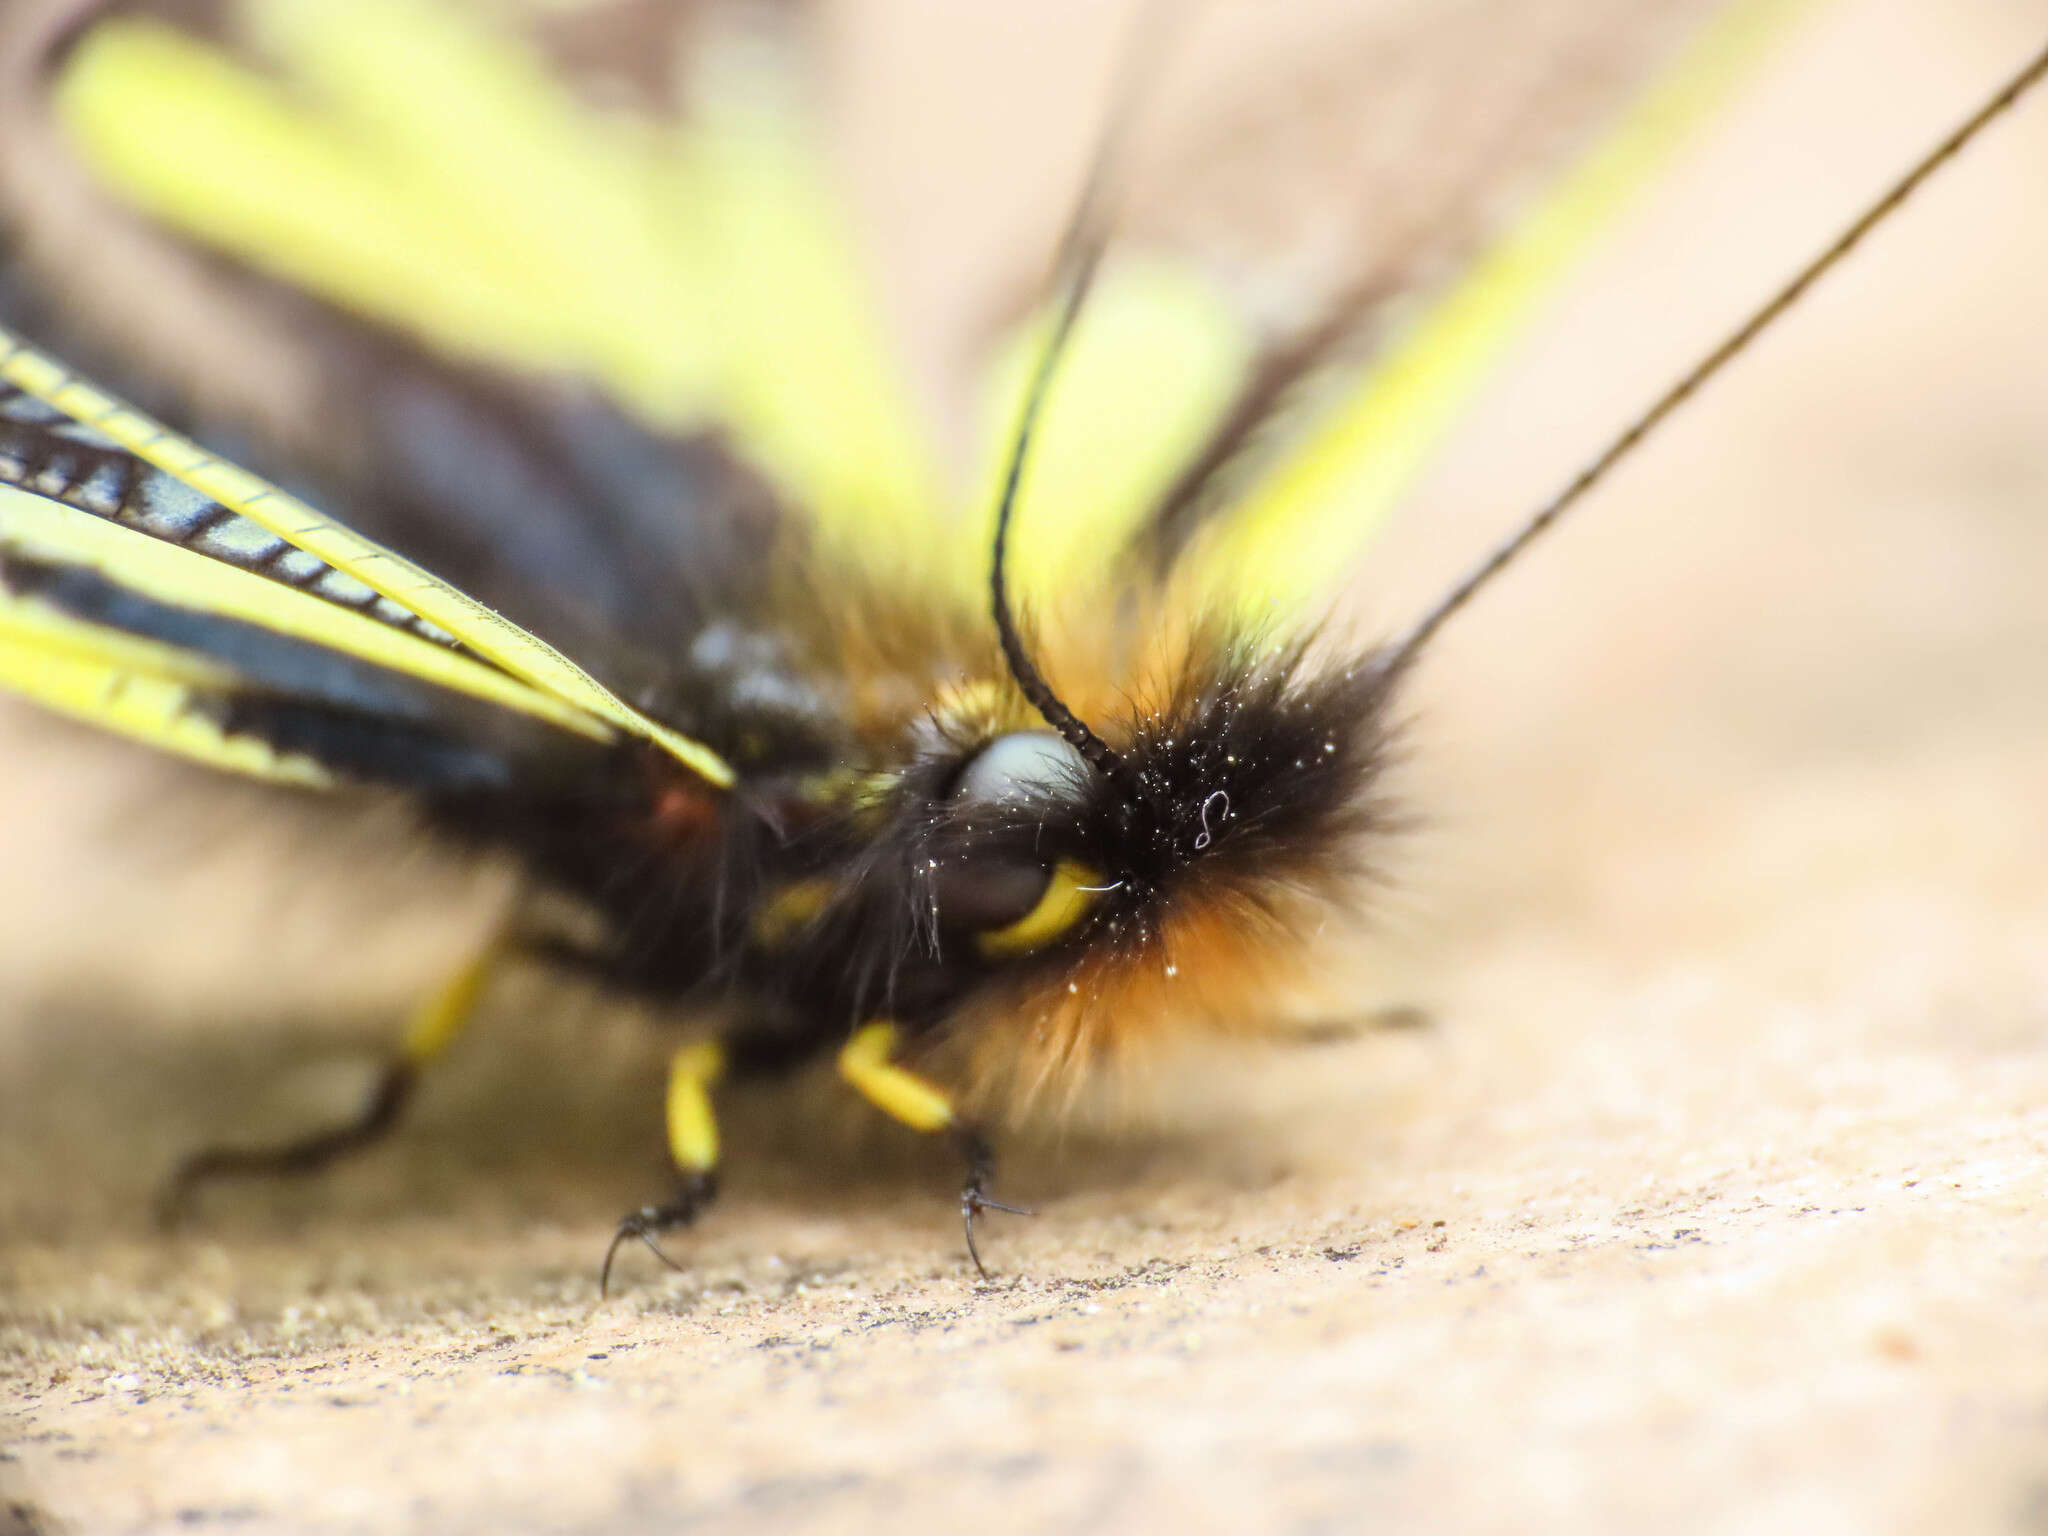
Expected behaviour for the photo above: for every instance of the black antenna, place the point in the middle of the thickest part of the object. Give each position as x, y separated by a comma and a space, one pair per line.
1100, 754
1404, 651
1080, 254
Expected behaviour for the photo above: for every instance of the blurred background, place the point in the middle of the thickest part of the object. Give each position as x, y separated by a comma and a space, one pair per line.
1727, 888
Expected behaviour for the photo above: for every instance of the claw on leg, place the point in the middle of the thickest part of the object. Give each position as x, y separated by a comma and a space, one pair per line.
698, 1190
974, 1199
692, 1144
865, 1062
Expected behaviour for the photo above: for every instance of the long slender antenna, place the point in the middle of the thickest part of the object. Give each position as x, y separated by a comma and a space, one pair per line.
1404, 650
1105, 759
1080, 254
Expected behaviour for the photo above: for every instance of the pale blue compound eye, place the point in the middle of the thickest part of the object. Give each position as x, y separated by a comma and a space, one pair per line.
1025, 766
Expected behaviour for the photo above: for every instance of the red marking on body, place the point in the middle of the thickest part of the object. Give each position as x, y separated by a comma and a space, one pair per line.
683, 814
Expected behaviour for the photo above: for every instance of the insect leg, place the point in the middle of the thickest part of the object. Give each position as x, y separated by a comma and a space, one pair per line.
692, 1142
902, 1095
434, 1024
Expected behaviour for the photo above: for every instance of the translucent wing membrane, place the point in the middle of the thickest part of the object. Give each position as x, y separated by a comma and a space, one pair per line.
1279, 548
416, 167
1249, 473
133, 551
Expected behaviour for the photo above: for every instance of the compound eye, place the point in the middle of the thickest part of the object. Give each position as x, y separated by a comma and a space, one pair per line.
980, 894
1013, 903
1020, 767
1069, 892
1013, 906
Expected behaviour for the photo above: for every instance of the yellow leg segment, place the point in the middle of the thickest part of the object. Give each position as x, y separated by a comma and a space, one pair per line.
899, 1093
896, 1091
692, 1127
437, 1021
692, 1141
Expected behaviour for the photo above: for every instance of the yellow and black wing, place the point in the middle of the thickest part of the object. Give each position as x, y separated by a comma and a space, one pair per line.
604, 357
151, 587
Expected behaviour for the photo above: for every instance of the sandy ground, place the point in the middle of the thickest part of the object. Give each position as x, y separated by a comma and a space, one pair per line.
1709, 1196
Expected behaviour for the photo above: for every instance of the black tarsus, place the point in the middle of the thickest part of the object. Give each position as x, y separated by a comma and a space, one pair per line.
696, 1192
308, 1154
1403, 651
981, 1168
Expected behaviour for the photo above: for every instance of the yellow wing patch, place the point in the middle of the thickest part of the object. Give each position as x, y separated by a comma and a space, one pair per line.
1155, 358
420, 167
1297, 532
